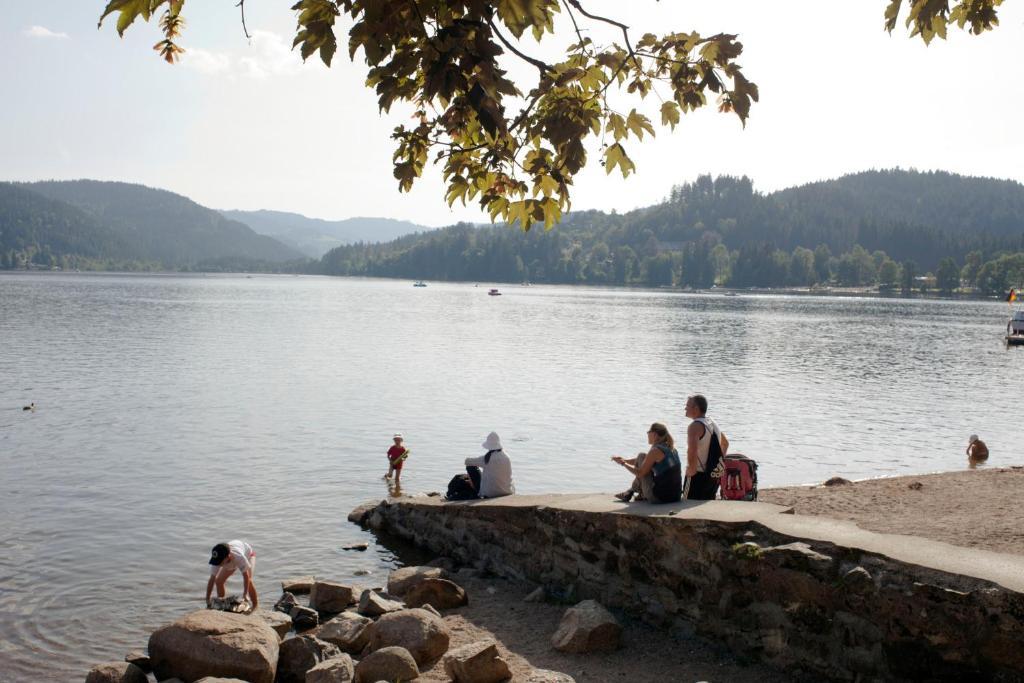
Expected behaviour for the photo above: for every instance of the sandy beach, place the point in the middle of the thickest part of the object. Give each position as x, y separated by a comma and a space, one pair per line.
978, 508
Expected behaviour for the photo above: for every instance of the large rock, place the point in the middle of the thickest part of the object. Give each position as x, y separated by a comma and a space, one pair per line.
299, 655
281, 623
333, 670
423, 634
439, 593
587, 627
211, 643
347, 630
285, 603
116, 672
139, 659
387, 664
476, 663
401, 580
361, 514
373, 604
299, 585
304, 618
327, 596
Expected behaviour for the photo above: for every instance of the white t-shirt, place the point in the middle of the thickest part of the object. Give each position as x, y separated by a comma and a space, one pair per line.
496, 478
241, 556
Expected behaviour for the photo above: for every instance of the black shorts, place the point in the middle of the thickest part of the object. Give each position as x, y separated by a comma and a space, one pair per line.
700, 487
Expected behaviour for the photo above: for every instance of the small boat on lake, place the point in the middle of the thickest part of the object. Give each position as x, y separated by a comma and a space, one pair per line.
1015, 329
493, 292
419, 283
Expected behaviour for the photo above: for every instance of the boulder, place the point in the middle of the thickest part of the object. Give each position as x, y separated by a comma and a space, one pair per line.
116, 672
476, 663
387, 664
423, 634
333, 670
299, 655
139, 659
285, 603
347, 631
545, 676
327, 596
373, 604
281, 623
441, 593
587, 627
837, 481
304, 618
361, 547
401, 580
299, 585
211, 643
361, 514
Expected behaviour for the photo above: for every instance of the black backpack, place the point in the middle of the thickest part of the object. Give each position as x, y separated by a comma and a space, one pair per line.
460, 488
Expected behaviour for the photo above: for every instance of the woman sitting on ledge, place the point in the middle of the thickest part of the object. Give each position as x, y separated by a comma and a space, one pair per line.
491, 473
658, 473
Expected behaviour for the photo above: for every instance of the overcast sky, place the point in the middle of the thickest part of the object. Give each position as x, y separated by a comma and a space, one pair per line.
246, 125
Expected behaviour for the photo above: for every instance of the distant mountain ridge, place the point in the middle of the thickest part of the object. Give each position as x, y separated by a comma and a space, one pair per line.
120, 223
860, 229
315, 237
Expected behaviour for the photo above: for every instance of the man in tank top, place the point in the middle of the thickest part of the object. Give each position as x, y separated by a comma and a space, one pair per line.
705, 447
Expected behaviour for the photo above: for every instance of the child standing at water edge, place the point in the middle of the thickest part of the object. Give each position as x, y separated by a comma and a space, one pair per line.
396, 458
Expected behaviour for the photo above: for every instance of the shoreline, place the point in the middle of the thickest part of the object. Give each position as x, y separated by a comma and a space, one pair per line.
822, 292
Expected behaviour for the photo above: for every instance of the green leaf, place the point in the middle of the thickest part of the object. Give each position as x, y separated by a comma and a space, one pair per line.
129, 11
616, 156
670, 114
616, 125
638, 123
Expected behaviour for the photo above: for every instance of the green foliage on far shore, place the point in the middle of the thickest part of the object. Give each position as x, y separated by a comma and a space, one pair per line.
863, 230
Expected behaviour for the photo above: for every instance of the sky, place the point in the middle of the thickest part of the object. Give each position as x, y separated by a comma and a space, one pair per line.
245, 124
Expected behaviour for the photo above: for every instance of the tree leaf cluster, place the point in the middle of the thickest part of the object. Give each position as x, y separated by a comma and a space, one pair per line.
516, 148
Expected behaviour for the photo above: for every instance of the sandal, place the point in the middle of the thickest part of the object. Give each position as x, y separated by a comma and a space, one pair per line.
625, 496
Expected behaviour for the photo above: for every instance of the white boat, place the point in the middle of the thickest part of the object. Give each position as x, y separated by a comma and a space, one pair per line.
419, 283
493, 292
1015, 328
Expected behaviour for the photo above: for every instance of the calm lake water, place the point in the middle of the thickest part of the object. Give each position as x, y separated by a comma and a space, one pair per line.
177, 411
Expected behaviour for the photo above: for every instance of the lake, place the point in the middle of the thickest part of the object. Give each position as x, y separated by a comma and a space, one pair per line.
177, 411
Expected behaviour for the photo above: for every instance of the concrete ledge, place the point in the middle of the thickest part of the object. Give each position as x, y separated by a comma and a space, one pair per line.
800, 592
1003, 569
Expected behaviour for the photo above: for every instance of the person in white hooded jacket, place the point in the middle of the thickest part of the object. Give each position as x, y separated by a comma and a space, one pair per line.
491, 473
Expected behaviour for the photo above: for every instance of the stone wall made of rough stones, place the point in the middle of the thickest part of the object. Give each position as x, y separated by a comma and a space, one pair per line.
836, 612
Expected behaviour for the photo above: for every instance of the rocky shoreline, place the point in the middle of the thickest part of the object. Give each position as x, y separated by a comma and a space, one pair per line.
430, 624
341, 635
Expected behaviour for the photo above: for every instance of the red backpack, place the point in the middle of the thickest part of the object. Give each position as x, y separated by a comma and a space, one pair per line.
739, 477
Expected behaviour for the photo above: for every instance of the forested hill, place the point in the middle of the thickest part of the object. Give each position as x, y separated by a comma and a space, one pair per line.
122, 225
29, 220
859, 229
314, 236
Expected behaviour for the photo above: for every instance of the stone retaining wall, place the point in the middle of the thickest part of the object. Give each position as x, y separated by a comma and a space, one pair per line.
837, 612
